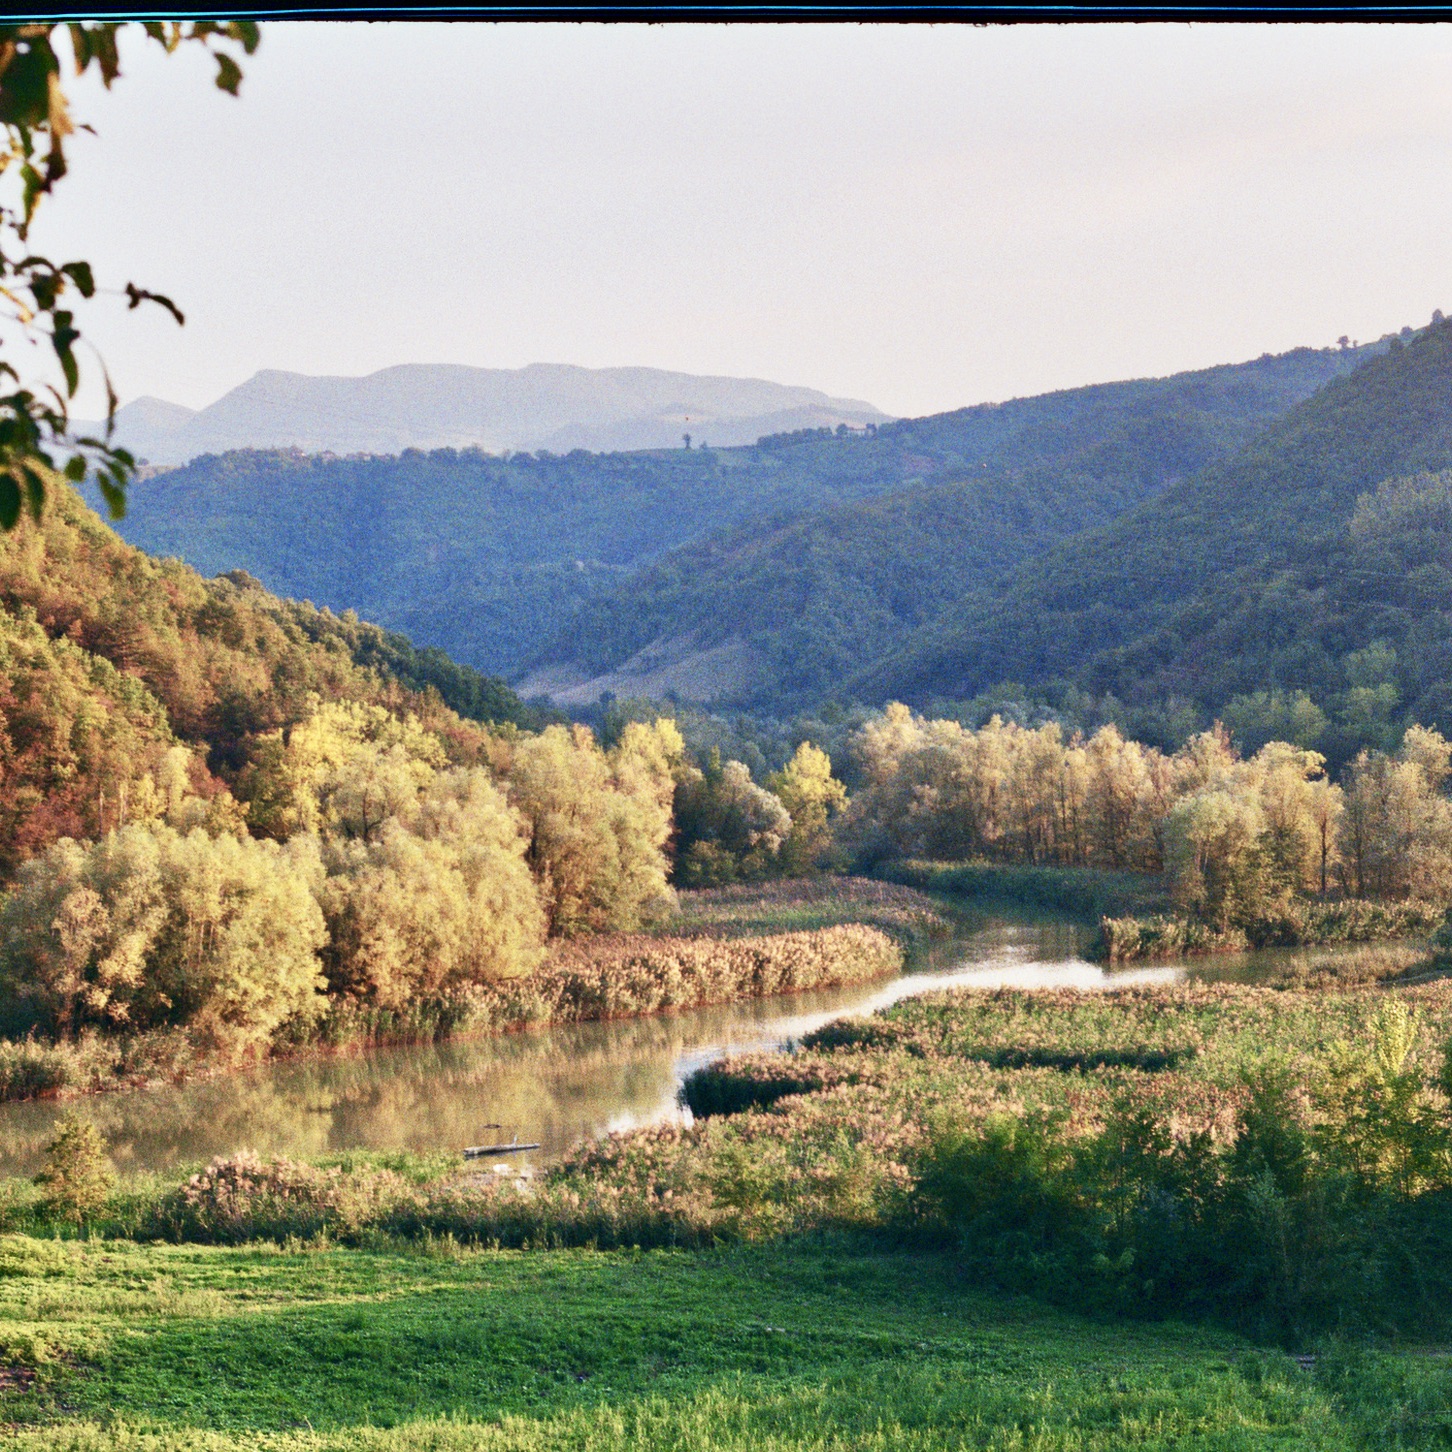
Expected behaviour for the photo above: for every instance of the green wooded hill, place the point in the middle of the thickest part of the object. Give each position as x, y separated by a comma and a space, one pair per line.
1299, 563
488, 557
817, 594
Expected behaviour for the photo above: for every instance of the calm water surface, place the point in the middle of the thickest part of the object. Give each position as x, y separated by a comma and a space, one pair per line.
553, 1086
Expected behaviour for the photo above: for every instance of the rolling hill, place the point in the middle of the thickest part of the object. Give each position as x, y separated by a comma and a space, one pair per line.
488, 558
108, 658
1298, 563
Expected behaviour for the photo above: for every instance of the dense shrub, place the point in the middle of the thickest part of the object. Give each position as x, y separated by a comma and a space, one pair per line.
1329, 1205
438, 901
77, 1177
246, 1198
1296, 924
148, 929
1084, 891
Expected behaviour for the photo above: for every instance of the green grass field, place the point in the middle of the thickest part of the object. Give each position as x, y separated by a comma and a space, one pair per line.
801, 1345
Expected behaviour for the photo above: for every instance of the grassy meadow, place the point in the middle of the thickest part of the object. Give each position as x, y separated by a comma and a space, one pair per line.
805, 1345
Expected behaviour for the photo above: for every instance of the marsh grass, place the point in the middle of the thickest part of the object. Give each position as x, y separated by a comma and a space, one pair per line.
32, 1068
1300, 924
798, 904
1084, 892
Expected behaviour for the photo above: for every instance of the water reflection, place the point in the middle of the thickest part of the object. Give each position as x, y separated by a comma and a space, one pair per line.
552, 1086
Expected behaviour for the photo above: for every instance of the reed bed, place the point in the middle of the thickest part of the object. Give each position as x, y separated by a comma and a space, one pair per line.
590, 979
751, 909
1302, 924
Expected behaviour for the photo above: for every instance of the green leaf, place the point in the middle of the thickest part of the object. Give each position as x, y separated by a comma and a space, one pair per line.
229, 74
34, 491
44, 290
9, 502
80, 274
68, 364
76, 468
114, 495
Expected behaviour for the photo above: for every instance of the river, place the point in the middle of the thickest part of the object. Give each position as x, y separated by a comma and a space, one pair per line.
553, 1086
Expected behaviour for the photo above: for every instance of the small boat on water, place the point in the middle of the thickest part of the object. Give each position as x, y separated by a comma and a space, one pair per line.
480, 1151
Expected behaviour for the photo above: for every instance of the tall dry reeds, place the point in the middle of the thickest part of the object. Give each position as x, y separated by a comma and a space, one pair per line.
619, 977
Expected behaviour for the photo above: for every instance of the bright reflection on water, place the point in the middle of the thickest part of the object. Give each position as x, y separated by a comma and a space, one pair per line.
553, 1086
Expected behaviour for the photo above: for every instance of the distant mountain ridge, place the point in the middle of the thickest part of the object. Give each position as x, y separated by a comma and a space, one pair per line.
548, 406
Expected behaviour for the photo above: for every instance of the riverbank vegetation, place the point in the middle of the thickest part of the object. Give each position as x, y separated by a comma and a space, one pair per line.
233, 826
798, 904
1083, 892
1245, 851
581, 981
1277, 1159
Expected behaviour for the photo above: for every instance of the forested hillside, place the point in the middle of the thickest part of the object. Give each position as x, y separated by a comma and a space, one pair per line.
1318, 559
109, 660
488, 557
814, 595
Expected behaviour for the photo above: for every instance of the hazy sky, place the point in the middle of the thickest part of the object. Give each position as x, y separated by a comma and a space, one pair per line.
919, 216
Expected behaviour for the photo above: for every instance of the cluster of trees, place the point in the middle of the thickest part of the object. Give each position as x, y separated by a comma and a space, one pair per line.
1236, 835
368, 859
729, 829
223, 811
370, 855
367, 863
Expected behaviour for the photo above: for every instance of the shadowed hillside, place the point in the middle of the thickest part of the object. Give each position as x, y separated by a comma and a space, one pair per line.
1279, 567
814, 596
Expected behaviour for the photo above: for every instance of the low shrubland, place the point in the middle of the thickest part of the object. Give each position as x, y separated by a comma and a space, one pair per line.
1277, 1158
